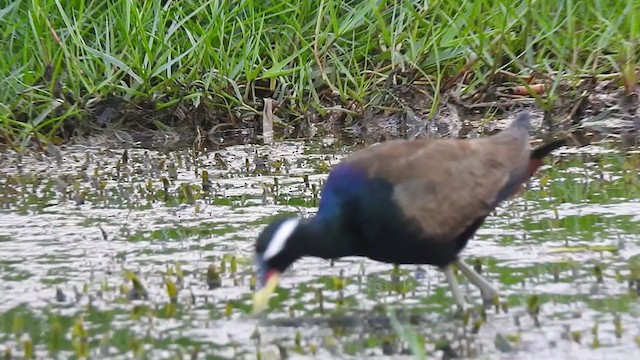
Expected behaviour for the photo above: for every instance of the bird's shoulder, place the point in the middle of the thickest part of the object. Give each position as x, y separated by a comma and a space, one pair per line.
442, 184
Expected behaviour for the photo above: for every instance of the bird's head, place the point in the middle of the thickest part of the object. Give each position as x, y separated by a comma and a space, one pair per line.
275, 252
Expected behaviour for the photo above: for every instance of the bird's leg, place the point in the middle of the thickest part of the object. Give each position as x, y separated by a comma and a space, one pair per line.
487, 290
453, 286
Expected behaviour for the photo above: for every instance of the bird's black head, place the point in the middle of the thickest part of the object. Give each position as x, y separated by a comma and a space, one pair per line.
276, 250
275, 247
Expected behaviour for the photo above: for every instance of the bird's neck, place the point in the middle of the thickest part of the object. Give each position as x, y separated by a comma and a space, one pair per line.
321, 237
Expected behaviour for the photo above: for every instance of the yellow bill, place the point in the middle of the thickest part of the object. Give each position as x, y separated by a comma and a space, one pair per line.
262, 296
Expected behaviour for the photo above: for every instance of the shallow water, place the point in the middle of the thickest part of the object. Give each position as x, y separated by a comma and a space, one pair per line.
565, 257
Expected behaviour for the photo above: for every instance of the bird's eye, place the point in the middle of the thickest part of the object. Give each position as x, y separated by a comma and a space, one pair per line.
280, 237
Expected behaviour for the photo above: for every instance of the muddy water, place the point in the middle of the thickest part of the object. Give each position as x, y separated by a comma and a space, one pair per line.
74, 223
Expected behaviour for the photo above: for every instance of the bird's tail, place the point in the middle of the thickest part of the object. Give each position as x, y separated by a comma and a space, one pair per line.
540, 152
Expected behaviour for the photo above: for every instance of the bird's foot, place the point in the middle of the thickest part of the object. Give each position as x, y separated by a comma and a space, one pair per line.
490, 298
463, 308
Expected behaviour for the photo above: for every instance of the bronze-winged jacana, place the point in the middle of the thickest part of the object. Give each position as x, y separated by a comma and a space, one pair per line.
406, 202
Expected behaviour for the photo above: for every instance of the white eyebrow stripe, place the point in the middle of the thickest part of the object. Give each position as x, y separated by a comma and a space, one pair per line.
280, 238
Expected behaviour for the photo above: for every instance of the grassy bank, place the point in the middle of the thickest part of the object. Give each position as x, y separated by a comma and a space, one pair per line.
71, 66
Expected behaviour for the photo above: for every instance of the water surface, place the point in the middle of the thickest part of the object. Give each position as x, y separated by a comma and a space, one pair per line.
76, 224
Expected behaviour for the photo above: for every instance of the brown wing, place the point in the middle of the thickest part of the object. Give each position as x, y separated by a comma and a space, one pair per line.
447, 184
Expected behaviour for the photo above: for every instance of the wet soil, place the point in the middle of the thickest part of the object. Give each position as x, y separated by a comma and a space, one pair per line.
403, 107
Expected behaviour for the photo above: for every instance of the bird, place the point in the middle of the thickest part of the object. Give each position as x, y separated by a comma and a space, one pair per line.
406, 202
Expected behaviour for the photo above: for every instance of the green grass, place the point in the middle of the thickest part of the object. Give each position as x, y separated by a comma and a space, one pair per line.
64, 61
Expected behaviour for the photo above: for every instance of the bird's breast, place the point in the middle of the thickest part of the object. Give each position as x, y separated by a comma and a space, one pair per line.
403, 246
